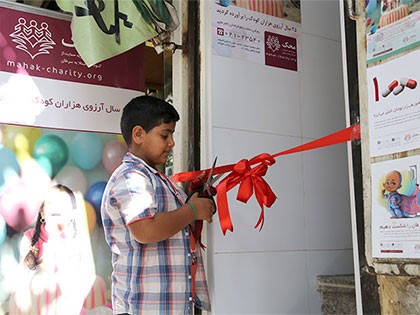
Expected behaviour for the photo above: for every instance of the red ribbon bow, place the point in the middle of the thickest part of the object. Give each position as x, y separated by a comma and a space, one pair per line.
250, 181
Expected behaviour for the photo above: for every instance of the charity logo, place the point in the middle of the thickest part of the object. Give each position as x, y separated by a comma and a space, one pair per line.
33, 39
280, 51
273, 43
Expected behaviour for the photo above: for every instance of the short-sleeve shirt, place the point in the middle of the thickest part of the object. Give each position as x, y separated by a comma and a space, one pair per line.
150, 278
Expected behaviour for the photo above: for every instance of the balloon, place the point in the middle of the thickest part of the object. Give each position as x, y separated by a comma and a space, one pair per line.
19, 206
120, 138
35, 177
86, 149
3, 230
113, 154
9, 166
72, 177
373, 29
21, 140
90, 216
225, 3
52, 150
94, 197
46, 165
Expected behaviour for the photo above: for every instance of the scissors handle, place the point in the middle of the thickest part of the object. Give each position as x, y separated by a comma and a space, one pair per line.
207, 192
204, 191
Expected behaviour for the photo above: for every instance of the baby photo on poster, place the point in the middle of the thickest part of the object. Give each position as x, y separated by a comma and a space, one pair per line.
396, 208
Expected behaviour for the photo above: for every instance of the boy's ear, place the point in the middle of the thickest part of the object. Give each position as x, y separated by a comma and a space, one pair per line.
137, 134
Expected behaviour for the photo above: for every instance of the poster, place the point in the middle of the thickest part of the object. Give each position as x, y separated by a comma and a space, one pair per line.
394, 105
59, 124
61, 92
115, 26
392, 26
396, 208
265, 32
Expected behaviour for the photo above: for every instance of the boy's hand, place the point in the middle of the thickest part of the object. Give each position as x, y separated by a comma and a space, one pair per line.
197, 185
197, 182
205, 207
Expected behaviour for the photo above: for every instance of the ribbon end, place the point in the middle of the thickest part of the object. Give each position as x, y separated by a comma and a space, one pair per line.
230, 228
259, 223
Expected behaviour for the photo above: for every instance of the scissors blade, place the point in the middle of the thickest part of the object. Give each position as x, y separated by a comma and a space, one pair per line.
209, 180
216, 178
210, 177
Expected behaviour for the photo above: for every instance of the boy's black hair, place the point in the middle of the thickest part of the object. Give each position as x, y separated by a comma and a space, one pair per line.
148, 112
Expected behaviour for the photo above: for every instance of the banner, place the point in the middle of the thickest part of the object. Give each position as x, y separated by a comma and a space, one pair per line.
392, 27
266, 32
105, 28
60, 91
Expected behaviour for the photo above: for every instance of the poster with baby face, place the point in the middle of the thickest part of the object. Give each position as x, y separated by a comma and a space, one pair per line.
396, 208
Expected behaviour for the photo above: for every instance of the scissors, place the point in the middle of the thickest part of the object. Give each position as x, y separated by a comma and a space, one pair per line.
208, 190
205, 190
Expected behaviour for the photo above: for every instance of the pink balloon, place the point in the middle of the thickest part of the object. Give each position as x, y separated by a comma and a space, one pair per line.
19, 206
113, 154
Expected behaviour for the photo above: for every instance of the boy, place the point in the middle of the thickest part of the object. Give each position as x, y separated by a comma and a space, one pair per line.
157, 264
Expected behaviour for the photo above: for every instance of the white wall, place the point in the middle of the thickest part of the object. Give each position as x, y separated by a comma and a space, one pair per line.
253, 109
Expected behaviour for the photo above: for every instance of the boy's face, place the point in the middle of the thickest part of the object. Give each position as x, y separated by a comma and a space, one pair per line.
392, 181
156, 144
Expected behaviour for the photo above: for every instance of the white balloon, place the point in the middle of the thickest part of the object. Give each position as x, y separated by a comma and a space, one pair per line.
72, 177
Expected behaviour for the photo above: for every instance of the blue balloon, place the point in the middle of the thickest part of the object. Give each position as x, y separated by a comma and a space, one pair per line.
51, 152
86, 150
373, 29
225, 3
45, 164
9, 166
94, 197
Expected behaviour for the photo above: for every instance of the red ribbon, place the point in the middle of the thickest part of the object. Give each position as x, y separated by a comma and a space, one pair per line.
251, 180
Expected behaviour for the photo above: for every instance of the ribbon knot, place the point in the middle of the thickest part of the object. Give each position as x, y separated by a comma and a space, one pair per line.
250, 181
242, 166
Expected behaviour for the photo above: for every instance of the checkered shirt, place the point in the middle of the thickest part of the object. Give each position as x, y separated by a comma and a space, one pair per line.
149, 278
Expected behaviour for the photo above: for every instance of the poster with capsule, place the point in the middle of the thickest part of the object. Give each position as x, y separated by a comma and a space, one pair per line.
394, 105
396, 208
